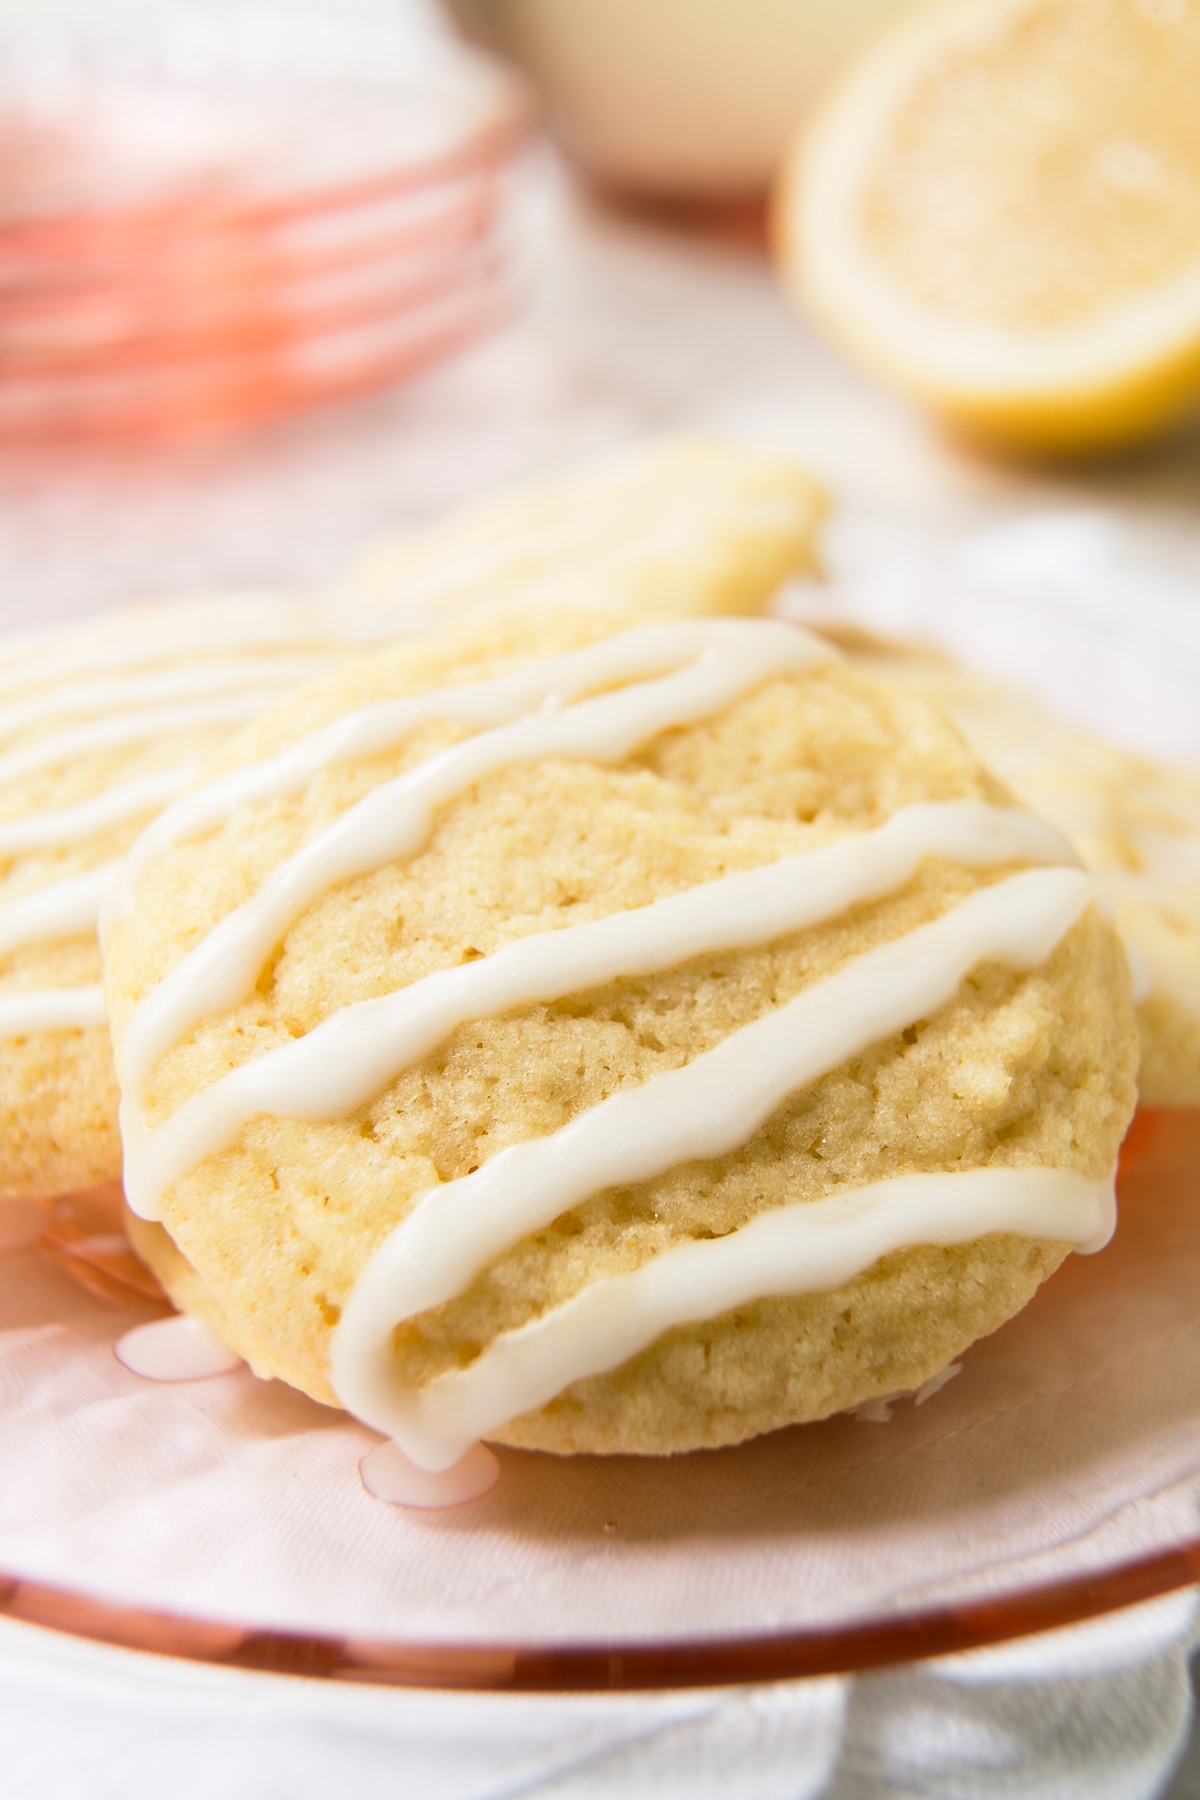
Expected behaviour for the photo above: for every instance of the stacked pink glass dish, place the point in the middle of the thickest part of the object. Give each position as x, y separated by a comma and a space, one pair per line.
183, 254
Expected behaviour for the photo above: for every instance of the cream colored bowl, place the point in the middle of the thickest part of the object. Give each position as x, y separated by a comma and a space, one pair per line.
685, 98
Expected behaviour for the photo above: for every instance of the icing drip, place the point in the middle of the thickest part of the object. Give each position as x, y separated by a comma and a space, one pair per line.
26, 1010
70, 824
61, 909
389, 1475
353, 1055
706, 1109
176, 1349
879, 1410
725, 658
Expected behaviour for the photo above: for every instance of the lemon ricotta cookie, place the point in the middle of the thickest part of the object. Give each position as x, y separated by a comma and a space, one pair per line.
679, 526
101, 724
595, 1036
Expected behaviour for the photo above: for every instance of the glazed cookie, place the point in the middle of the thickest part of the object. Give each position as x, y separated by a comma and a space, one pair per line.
1135, 823
100, 725
682, 526
601, 1037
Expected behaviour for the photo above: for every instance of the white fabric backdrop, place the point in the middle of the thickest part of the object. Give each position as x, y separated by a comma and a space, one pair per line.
1099, 1711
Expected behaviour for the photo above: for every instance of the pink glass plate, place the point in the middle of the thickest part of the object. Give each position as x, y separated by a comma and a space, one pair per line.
255, 369
1057, 1477
182, 259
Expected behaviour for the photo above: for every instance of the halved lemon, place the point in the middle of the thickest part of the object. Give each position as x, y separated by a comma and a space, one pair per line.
999, 209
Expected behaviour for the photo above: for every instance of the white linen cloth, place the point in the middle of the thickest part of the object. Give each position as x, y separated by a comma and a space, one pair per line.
1098, 1711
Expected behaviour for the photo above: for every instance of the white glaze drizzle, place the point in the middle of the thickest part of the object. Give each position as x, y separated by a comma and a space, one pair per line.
180, 1348
352, 1056
76, 700
722, 659
387, 1474
132, 728
56, 829
374, 730
704, 1110
803, 1248
61, 909
71, 907
50, 1009
131, 709
142, 640
142, 655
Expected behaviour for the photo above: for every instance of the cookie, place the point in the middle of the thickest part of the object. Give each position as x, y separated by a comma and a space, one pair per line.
1134, 821
677, 527
673, 527
599, 1037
